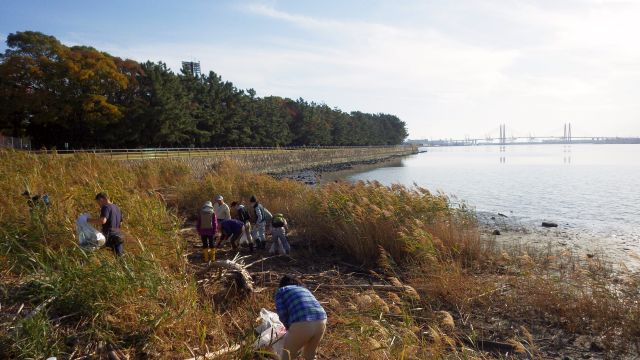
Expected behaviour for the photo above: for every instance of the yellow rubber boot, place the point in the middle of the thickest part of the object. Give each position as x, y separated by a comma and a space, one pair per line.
205, 255
212, 254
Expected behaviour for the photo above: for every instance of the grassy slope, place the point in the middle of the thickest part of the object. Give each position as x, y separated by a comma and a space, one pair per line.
151, 303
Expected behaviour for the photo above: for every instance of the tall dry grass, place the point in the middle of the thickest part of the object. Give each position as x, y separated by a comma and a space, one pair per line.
438, 250
357, 219
149, 304
93, 300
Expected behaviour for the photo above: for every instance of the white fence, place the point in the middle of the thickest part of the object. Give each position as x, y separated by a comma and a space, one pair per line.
15, 143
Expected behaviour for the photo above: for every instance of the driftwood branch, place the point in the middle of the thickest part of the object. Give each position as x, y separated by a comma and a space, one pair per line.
216, 354
237, 269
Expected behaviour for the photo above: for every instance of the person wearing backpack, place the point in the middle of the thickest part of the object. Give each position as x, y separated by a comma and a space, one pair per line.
279, 235
263, 217
207, 226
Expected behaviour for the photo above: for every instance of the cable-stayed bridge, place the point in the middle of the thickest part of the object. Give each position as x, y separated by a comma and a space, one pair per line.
507, 136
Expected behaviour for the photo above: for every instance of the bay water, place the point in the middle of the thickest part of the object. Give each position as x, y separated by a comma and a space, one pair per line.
588, 189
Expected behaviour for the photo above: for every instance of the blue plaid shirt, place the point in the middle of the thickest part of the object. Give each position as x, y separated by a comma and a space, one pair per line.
296, 303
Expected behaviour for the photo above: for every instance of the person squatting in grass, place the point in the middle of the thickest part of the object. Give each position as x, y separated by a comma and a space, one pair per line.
279, 230
232, 229
302, 315
110, 220
207, 227
259, 230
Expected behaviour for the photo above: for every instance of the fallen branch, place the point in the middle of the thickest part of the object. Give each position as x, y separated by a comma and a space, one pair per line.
261, 260
40, 308
215, 354
238, 270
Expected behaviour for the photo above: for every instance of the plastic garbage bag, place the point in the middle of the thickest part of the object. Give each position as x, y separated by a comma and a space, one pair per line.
88, 236
243, 239
246, 239
271, 332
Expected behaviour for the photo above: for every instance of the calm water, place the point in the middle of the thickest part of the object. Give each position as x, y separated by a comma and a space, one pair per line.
589, 188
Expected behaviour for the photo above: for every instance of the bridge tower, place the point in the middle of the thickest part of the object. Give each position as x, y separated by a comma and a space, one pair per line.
567, 133
503, 134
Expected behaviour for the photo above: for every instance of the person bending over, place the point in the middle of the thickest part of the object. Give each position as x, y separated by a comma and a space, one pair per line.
302, 315
232, 229
279, 230
110, 219
243, 215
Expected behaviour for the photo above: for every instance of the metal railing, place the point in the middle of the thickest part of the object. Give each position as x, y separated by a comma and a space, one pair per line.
15, 142
163, 153
258, 159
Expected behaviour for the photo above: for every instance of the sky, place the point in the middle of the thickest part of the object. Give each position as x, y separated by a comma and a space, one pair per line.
449, 69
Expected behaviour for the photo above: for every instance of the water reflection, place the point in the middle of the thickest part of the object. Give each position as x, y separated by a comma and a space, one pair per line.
567, 154
587, 186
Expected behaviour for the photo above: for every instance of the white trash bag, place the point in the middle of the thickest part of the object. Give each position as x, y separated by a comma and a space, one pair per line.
243, 239
271, 332
88, 237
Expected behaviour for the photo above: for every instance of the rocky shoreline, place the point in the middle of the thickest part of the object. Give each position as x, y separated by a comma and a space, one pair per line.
506, 230
315, 175
512, 232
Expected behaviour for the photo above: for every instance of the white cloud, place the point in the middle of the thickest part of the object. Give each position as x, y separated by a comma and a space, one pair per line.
566, 61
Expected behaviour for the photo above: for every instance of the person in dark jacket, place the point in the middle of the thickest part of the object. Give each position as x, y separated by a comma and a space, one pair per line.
259, 228
232, 230
110, 220
302, 315
243, 215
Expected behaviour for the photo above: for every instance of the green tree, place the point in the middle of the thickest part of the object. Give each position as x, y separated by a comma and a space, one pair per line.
58, 94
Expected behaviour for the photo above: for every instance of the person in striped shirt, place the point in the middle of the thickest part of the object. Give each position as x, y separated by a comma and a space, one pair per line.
302, 315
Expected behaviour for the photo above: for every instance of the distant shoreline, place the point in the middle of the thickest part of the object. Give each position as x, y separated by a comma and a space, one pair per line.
322, 174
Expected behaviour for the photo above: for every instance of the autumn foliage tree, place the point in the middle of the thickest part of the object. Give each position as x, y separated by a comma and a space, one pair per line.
78, 95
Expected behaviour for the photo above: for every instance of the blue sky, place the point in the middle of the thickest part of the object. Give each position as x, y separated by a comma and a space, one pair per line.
447, 68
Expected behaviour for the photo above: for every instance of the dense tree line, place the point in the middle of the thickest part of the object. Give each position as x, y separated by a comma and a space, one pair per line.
57, 94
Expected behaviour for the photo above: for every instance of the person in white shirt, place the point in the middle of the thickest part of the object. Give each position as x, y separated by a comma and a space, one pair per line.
222, 210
